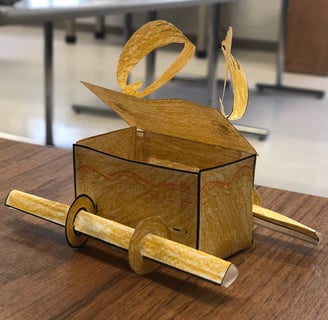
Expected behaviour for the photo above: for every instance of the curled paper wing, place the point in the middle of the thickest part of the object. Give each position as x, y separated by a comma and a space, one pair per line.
238, 80
153, 35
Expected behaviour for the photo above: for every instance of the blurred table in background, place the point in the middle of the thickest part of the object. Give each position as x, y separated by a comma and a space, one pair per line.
47, 12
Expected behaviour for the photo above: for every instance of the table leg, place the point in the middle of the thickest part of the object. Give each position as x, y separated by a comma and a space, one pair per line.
201, 35
128, 27
213, 36
100, 28
151, 57
70, 31
48, 80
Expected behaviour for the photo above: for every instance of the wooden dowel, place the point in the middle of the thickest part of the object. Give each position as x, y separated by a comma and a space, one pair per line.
278, 222
154, 247
157, 248
56, 212
46, 209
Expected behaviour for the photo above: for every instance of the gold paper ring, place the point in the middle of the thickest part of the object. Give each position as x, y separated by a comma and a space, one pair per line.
82, 202
153, 225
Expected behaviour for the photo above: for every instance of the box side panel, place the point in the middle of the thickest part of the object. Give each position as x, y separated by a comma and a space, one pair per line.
120, 143
226, 222
191, 154
128, 192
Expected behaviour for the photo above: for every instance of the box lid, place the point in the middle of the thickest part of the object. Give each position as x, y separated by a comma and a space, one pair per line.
174, 117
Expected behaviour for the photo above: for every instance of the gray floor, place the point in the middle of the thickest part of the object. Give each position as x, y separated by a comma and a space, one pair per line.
294, 157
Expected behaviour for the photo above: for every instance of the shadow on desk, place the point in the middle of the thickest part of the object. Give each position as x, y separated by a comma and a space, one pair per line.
178, 281
41, 236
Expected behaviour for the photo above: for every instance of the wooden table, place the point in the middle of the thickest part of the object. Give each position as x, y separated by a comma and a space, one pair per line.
41, 277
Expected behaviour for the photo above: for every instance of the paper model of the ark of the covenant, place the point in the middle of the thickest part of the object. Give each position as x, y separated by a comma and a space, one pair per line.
177, 186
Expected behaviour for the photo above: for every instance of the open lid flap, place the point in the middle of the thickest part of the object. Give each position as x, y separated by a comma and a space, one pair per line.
174, 117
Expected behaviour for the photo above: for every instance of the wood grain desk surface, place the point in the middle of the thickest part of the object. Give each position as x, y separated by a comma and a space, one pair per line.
41, 277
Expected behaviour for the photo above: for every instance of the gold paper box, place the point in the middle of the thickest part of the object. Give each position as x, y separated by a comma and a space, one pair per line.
181, 161
180, 171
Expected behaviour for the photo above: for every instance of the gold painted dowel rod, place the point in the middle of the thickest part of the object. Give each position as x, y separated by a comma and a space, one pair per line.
154, 247
278, 222
56, 212
46, 209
